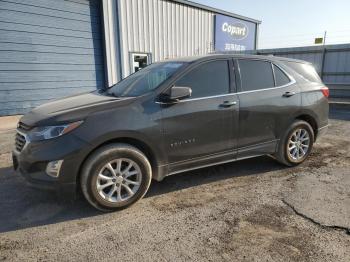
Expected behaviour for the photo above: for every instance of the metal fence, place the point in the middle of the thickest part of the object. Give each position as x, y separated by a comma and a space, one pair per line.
331, 61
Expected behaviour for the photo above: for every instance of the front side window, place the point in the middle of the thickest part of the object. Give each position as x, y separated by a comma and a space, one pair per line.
209, 79
280, 77
145, 80
256, 75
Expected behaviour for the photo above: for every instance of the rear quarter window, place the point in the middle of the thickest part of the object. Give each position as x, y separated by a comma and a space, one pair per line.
280, 77
306, 71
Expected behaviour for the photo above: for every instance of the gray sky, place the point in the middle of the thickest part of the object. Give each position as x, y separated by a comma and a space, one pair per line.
288, 23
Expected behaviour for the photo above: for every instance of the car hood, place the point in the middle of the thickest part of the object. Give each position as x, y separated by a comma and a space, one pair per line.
73, 108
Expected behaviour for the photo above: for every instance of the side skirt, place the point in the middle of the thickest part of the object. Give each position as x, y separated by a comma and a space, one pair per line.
212, 160
212, 164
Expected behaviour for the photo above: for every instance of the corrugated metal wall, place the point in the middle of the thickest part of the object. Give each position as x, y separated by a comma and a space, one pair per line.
48, 49
335, 60
164, 28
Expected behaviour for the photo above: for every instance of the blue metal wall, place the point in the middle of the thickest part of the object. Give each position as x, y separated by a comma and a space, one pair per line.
48, 49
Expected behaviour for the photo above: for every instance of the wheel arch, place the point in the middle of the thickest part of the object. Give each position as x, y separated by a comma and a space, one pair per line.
311, 120
144, 147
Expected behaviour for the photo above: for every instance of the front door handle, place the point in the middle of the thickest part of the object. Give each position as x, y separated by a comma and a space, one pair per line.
228, 103
288, 94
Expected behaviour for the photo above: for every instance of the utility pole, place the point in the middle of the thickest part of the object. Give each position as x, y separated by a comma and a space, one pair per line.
324, 52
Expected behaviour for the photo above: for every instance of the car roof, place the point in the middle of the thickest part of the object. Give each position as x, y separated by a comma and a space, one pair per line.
191, 59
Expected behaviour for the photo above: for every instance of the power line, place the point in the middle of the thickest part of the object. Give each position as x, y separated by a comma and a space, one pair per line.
298, 43
310, 33
309, 38
305, 36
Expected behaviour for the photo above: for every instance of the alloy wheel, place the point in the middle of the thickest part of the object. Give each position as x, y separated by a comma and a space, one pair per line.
298, 144
119, 180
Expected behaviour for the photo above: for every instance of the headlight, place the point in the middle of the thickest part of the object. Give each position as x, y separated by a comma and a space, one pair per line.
48, 132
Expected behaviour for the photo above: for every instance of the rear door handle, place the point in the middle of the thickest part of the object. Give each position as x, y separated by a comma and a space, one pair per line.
288, 94
228, 103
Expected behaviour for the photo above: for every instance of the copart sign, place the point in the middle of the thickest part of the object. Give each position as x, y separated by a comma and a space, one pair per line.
232, 34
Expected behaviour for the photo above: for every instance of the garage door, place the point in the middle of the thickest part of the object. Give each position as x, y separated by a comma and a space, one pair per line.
48, 49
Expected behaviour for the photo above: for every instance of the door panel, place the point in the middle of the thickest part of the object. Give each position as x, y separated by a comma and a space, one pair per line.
264, 114
199, 127
266, 110
204, 125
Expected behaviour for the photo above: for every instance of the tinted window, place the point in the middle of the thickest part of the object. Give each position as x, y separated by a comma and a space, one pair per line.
256, 75
281, 78
306, 71
145, 80
209, 79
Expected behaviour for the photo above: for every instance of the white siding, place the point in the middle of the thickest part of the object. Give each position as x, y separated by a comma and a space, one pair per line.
163, 28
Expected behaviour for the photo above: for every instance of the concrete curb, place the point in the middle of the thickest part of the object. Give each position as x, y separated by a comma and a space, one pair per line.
8, 123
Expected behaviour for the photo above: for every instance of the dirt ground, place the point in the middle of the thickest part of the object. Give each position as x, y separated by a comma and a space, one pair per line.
252, 210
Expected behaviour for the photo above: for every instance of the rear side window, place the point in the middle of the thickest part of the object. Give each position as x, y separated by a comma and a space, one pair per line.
208, 79
256, 75
306, 71
280, 77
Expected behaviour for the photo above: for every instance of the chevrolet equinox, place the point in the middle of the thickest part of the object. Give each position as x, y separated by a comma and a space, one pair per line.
170, 117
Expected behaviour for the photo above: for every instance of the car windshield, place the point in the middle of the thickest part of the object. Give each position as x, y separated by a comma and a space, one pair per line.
145, 80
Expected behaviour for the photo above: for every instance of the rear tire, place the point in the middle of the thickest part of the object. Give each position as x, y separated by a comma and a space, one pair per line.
115, 177
296, 144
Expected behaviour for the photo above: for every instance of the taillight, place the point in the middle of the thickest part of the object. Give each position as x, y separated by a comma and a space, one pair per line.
325, 91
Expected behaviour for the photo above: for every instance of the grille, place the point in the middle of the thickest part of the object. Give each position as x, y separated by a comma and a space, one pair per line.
20, 142
22, 126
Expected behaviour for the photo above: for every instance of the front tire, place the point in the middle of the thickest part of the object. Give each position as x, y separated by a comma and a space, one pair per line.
296, 144
115, 177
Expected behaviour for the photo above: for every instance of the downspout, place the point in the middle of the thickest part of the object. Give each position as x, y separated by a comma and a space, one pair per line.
111, 41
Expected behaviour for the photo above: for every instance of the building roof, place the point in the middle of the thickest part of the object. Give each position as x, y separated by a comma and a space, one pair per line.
216, 10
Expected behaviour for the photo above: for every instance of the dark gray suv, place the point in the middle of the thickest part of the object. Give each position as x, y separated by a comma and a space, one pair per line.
171, 117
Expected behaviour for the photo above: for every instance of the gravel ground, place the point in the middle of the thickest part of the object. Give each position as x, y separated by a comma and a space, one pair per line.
252, 210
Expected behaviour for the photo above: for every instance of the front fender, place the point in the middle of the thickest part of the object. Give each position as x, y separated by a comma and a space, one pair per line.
127, 135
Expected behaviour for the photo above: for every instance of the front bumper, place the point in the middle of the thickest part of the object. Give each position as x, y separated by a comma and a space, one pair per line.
38, 181
32, 161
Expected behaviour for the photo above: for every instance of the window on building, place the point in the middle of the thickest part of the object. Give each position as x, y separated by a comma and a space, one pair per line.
280, 77
256, 75
208, 79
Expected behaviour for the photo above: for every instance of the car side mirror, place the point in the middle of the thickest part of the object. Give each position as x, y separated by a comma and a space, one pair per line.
177, 93
180, 92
